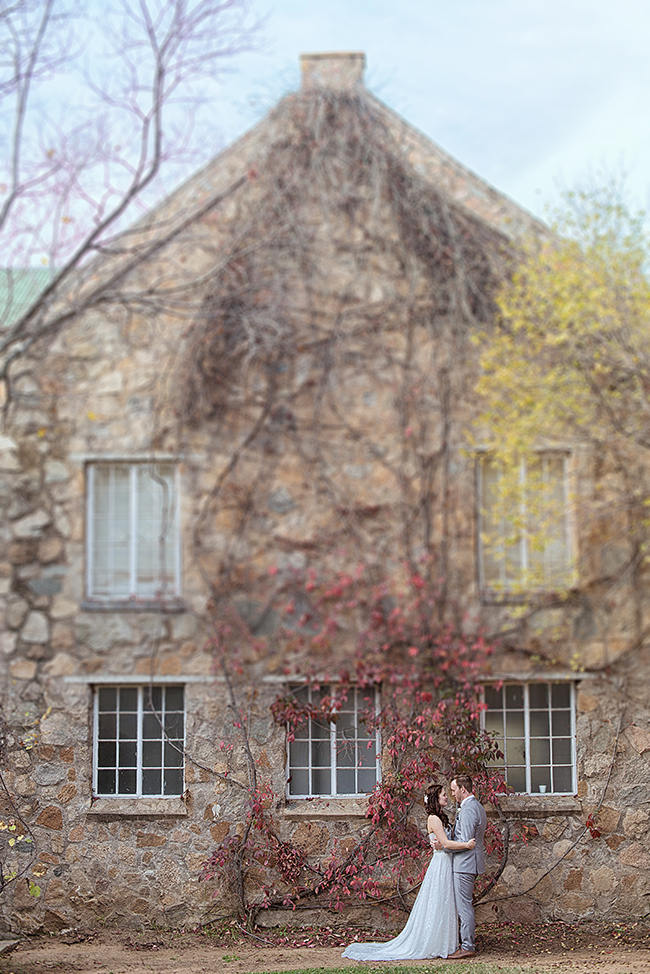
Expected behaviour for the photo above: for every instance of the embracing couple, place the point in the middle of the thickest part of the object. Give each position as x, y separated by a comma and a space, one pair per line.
445, 895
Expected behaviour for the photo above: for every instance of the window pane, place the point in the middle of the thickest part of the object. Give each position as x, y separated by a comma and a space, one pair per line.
151, 782
106, 782
539, 723
561, 695
540, 776
515, 751
151, 726
515, 724
494, 723
174, 725
346, 754
563, 780
106, 754
153, 698
299, 783
540, 751
367, 780
127, 754
173, 781
152, 754
320, 754
538, 695
155, 548
126, 782
561, 723
514, 697
321, 782
367, 754
110, 530
516, 778
301, 694
128, 726
107, 726
301, 731
299, 754
173, 754
129, 699
107, 698
562, 750
320, 730
174, 698
345, 782
493, 698
495, 763
346, 726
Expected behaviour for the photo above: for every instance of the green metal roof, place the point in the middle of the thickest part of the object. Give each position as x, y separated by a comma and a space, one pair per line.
19, 288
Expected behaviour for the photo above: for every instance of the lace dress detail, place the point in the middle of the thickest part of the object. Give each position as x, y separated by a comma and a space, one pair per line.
432, 927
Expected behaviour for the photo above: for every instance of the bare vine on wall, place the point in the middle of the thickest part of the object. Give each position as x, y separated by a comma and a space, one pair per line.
344, 276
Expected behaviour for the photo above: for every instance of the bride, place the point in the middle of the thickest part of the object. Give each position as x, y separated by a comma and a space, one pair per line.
432, 927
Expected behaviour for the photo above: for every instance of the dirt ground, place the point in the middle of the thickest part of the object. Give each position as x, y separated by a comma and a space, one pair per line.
585, 948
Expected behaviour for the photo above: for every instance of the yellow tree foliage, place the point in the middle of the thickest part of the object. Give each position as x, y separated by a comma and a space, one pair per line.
567, 368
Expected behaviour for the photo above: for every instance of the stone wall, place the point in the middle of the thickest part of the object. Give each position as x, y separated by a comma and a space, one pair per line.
332, 468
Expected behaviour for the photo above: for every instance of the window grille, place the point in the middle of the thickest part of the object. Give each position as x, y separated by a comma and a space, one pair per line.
133, 544
138, 741
338, 756
534, 724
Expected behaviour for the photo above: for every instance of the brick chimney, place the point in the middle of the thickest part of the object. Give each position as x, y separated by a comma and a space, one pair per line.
338, 70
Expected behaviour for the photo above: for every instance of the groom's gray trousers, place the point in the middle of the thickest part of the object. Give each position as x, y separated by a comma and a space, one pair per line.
464, 890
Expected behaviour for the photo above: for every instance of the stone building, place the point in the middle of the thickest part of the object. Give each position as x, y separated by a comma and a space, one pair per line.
273, 375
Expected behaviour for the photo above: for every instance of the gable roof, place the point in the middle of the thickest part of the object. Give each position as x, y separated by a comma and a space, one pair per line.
341, 73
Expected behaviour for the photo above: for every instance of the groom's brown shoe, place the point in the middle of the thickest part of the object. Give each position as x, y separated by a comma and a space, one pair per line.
461, 954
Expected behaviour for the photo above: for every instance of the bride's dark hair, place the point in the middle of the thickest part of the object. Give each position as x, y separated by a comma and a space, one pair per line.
432, 803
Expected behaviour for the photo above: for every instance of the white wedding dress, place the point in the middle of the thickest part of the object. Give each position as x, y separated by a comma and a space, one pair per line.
431, 929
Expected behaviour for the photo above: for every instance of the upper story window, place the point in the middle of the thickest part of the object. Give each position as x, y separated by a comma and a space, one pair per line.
138, 741
336, 756
525, 538
133, 544
534, 724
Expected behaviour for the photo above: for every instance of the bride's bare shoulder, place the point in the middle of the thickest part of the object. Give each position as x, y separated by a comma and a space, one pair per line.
432, 821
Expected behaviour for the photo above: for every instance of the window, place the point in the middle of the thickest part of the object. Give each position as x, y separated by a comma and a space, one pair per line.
132, 531
534, 724
139, 735
337, 756
524, 537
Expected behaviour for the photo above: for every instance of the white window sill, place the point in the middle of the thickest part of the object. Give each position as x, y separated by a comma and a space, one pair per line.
539, 806
520, 596
335, 807
138, 807
174, 604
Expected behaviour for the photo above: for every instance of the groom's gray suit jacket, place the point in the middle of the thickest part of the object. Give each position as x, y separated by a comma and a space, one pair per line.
471, 821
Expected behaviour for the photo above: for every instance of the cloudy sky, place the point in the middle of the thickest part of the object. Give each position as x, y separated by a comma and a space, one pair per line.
533, 95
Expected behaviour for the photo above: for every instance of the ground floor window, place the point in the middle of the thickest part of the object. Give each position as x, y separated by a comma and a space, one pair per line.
138, 741
337, 753
534, 724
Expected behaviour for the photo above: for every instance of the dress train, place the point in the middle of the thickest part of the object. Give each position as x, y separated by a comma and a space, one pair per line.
432, 927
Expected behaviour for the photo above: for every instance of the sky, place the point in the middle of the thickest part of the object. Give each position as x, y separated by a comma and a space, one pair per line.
535, 96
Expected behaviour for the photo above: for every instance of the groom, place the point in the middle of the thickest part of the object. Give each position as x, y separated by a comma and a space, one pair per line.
470, 823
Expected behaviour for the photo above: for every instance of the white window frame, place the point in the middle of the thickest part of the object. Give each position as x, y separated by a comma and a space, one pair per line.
505, 584
503, 763
141, 690
172, 591
333, 793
